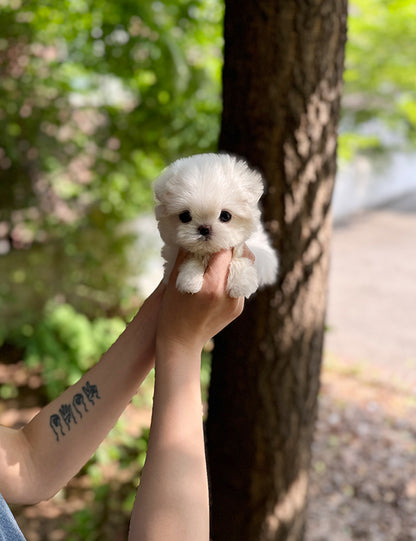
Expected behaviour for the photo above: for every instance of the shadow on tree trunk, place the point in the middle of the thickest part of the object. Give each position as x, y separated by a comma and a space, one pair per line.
282, 86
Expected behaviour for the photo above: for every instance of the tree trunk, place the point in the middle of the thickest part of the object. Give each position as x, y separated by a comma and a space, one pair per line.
282, 85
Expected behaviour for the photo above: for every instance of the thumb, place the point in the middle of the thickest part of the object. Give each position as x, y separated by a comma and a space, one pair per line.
217, 269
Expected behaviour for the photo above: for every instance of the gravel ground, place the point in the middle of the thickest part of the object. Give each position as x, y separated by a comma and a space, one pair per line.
364, 467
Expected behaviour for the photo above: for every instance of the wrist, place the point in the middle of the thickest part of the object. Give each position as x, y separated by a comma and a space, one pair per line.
178, 363
177, 351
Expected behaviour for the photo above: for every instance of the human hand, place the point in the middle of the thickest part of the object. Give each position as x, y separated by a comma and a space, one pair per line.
188, 321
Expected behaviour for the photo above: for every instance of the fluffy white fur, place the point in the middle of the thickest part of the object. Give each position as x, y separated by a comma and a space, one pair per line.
207, 203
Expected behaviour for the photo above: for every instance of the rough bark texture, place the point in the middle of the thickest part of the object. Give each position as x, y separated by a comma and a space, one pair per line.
282, 85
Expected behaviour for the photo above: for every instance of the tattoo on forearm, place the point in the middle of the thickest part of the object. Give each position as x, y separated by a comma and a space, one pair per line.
56, 425
78, 406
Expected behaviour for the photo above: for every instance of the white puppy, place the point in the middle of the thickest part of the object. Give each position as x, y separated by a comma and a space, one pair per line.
208, 203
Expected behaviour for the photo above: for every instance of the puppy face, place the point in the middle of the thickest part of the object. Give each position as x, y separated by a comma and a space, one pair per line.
207, 203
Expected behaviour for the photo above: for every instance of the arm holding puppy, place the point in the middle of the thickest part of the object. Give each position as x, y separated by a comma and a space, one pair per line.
172, 499
39, 459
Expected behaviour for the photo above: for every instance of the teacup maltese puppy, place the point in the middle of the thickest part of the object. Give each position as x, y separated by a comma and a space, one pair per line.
208, 203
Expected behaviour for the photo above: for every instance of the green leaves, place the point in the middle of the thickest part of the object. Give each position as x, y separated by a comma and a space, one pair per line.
66, 344
79, 77
96, 98
380, 76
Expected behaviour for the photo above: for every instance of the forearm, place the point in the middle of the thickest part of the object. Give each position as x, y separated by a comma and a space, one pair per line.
172, 499
52, 448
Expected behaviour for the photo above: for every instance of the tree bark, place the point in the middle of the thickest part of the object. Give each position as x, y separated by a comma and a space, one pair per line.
282, 82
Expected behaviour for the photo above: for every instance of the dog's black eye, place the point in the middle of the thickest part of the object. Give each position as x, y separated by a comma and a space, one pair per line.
185, 217
225, 216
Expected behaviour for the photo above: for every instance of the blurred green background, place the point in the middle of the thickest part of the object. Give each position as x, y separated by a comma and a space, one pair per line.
96, 97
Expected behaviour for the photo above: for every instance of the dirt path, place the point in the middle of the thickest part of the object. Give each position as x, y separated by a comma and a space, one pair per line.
372, 292
363, 483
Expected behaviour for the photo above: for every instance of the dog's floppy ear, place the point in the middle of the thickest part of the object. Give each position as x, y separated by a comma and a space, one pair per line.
163, 192
160, 187
160, 211
255, 184
251, 182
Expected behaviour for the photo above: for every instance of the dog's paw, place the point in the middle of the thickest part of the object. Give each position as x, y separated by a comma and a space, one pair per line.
241, 290
190, 277
242, 278
189, 284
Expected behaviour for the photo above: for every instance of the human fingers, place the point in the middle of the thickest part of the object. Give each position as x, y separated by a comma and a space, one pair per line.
216, 273
215, 283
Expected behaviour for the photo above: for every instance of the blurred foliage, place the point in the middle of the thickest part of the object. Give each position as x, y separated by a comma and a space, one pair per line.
379, 105
108, 514
65, 344
96, 97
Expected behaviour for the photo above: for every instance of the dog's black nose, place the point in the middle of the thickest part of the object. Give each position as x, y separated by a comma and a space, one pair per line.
204, 230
